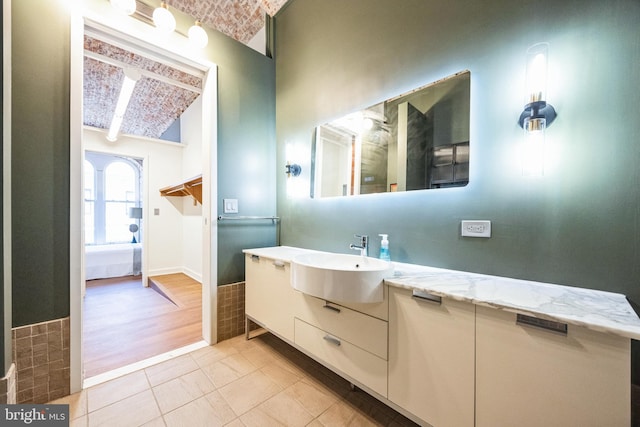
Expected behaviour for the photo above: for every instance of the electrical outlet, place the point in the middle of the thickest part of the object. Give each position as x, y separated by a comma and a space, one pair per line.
476, 228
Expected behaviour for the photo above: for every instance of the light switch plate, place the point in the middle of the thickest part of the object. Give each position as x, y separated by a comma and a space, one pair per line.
476, 228
230, 205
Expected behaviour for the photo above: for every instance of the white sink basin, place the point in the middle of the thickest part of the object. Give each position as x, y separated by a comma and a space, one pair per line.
340, 277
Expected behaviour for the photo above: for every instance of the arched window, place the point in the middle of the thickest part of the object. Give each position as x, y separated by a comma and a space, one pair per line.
112, 186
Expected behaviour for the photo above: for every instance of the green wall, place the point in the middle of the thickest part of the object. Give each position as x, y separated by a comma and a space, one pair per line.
40, 158
578, 225
246, 152
40, 162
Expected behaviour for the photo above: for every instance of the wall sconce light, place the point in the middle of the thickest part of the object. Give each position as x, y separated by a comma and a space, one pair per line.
131, 76
163, 19
197, 35
128, 7
293, 169
537, 114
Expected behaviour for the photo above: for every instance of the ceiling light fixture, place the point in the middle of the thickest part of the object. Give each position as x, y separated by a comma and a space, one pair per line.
128, 7
198, 36
163, 19
131, 76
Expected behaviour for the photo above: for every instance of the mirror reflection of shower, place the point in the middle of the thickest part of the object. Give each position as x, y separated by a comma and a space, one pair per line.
415, 141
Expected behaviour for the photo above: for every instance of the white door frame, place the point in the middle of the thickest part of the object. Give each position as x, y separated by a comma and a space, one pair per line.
104, 18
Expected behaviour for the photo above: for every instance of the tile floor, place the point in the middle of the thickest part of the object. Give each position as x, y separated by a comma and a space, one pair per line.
260, 382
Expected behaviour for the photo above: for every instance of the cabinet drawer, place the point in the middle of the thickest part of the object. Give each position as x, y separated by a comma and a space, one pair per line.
362, 366
366, 332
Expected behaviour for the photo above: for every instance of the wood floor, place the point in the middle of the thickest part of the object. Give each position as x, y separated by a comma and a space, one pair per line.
125, 322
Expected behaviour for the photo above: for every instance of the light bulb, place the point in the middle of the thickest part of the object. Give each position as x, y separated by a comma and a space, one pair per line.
533, 150
198, 36
163, 19
128, 7
536, 78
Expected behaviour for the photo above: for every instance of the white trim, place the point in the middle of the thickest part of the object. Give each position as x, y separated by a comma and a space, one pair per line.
177, 48
119, 372
76, 206
6, 181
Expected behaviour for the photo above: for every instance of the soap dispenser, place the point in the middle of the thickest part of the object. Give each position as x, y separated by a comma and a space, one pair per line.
384, 247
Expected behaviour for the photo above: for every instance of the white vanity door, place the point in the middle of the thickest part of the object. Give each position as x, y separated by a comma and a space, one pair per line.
527, 376
431, 358
269, 297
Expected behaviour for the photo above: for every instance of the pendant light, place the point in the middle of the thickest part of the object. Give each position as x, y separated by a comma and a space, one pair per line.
198, 36
128, 7
163, 19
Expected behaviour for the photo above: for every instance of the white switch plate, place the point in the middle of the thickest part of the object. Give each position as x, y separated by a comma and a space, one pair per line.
476, 228
230, 205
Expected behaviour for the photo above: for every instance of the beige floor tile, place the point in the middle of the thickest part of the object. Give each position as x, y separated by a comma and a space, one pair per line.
281, 376
208, 355
170, 369
286, 410
235, 423
82, 421
341, 414
198, 413
257, 417
135, 410
158, 422
313, 399
259, 356
315, 423
112, 391
249, 391
172, 394
229, 369
77, 404
221, 407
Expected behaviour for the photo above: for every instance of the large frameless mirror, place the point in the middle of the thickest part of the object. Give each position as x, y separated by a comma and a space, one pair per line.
415, 141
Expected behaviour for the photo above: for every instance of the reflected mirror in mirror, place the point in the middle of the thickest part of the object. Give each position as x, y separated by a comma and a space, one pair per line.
415, 141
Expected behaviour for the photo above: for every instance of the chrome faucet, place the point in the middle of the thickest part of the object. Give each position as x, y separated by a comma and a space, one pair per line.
363, 247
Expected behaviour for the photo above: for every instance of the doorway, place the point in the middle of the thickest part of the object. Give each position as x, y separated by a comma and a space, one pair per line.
141, 36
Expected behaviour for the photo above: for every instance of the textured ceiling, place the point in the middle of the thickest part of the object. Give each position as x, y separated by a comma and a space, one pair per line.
239, 19
163, 93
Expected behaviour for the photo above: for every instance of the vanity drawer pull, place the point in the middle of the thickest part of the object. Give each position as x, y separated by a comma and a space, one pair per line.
278, 264
330, 307
426, 296
255, 258
549, 325
332, 340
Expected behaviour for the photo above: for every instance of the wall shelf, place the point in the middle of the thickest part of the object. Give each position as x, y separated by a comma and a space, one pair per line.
191, 187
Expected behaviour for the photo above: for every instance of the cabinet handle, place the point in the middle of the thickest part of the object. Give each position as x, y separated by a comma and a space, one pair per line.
332, 340
330, 307
278, 264
549, 325
426, 296
255, 258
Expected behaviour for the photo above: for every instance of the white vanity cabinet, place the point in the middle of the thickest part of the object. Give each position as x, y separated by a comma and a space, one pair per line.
268, 294
351, 342
528, 376
432, 357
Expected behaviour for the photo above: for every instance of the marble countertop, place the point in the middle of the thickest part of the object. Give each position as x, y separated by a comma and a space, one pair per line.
596, 310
